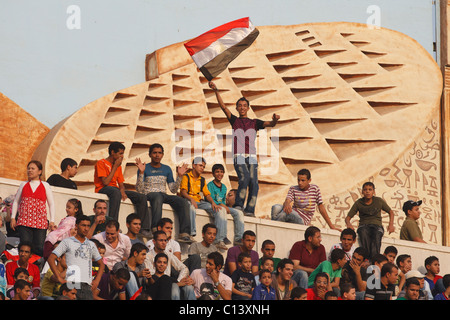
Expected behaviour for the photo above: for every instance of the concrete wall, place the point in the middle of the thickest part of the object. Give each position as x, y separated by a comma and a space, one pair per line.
283, 234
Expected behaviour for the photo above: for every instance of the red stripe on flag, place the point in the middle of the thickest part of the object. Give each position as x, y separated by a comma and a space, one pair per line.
203, 41
136, 294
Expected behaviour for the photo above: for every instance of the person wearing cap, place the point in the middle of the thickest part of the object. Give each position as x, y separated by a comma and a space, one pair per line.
410, 229
424, 288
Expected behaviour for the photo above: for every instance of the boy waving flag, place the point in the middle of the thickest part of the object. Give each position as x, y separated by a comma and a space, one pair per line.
215, 49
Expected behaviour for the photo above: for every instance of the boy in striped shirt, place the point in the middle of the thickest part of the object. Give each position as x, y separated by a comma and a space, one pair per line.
300, 203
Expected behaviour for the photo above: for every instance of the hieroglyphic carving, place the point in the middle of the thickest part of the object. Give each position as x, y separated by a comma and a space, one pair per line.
415, 176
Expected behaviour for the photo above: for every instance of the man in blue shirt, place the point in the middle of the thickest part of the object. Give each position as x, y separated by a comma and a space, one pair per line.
152, 179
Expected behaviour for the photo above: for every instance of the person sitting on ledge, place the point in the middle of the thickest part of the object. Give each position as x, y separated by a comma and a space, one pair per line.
69, 168
301, 201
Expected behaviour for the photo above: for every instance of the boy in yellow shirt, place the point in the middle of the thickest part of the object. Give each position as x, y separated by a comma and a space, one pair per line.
193, 188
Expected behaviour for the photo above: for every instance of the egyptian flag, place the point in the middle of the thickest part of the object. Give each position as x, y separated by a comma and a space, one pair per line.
215, 49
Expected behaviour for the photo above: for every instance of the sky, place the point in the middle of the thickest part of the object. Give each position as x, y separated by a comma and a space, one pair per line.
56, 56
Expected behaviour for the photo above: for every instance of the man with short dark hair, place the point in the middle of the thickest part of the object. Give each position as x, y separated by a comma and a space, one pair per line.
412, 290
99, 219
152, 179
80, 252
384, 288
118, 245
182, 288
109, 180
355, 273
307, 255
69, 168
210, 282
319, 288
25, 249
134, 226
135, 265
22, 290
248, 242
112, 285
282, 281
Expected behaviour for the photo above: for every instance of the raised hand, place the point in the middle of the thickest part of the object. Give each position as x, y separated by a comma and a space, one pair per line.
140, 165
181, 170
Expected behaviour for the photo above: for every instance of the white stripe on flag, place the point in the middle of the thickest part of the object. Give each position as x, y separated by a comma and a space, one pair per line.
217, 47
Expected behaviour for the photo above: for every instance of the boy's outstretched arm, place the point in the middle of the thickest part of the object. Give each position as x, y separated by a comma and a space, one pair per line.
272, 123
324, 214
219, 100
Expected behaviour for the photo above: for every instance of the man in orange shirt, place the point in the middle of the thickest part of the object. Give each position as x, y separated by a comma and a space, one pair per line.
108, 179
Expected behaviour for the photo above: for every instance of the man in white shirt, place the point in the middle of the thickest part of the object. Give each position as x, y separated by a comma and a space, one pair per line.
183, 288
348, 239
210, 282
118, 245
79, 252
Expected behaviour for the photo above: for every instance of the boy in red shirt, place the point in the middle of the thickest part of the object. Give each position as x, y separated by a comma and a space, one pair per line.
23, 262
434, 280
317, 292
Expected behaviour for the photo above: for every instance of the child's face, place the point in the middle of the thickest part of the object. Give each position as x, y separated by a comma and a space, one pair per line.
22, 276
351, 295
102, 251
302, 297
303, 181
199, 167
70, 209
268, 250
218, 174
342, 262
391, 257
434, 267
368, 192
414, 213
266, 279
161, 265
72, 170
268, 264
246, 264
210, 235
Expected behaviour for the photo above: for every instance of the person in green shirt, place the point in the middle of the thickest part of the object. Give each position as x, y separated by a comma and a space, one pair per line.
410, 229
332, 268
412, 290
370, 230
268, 251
